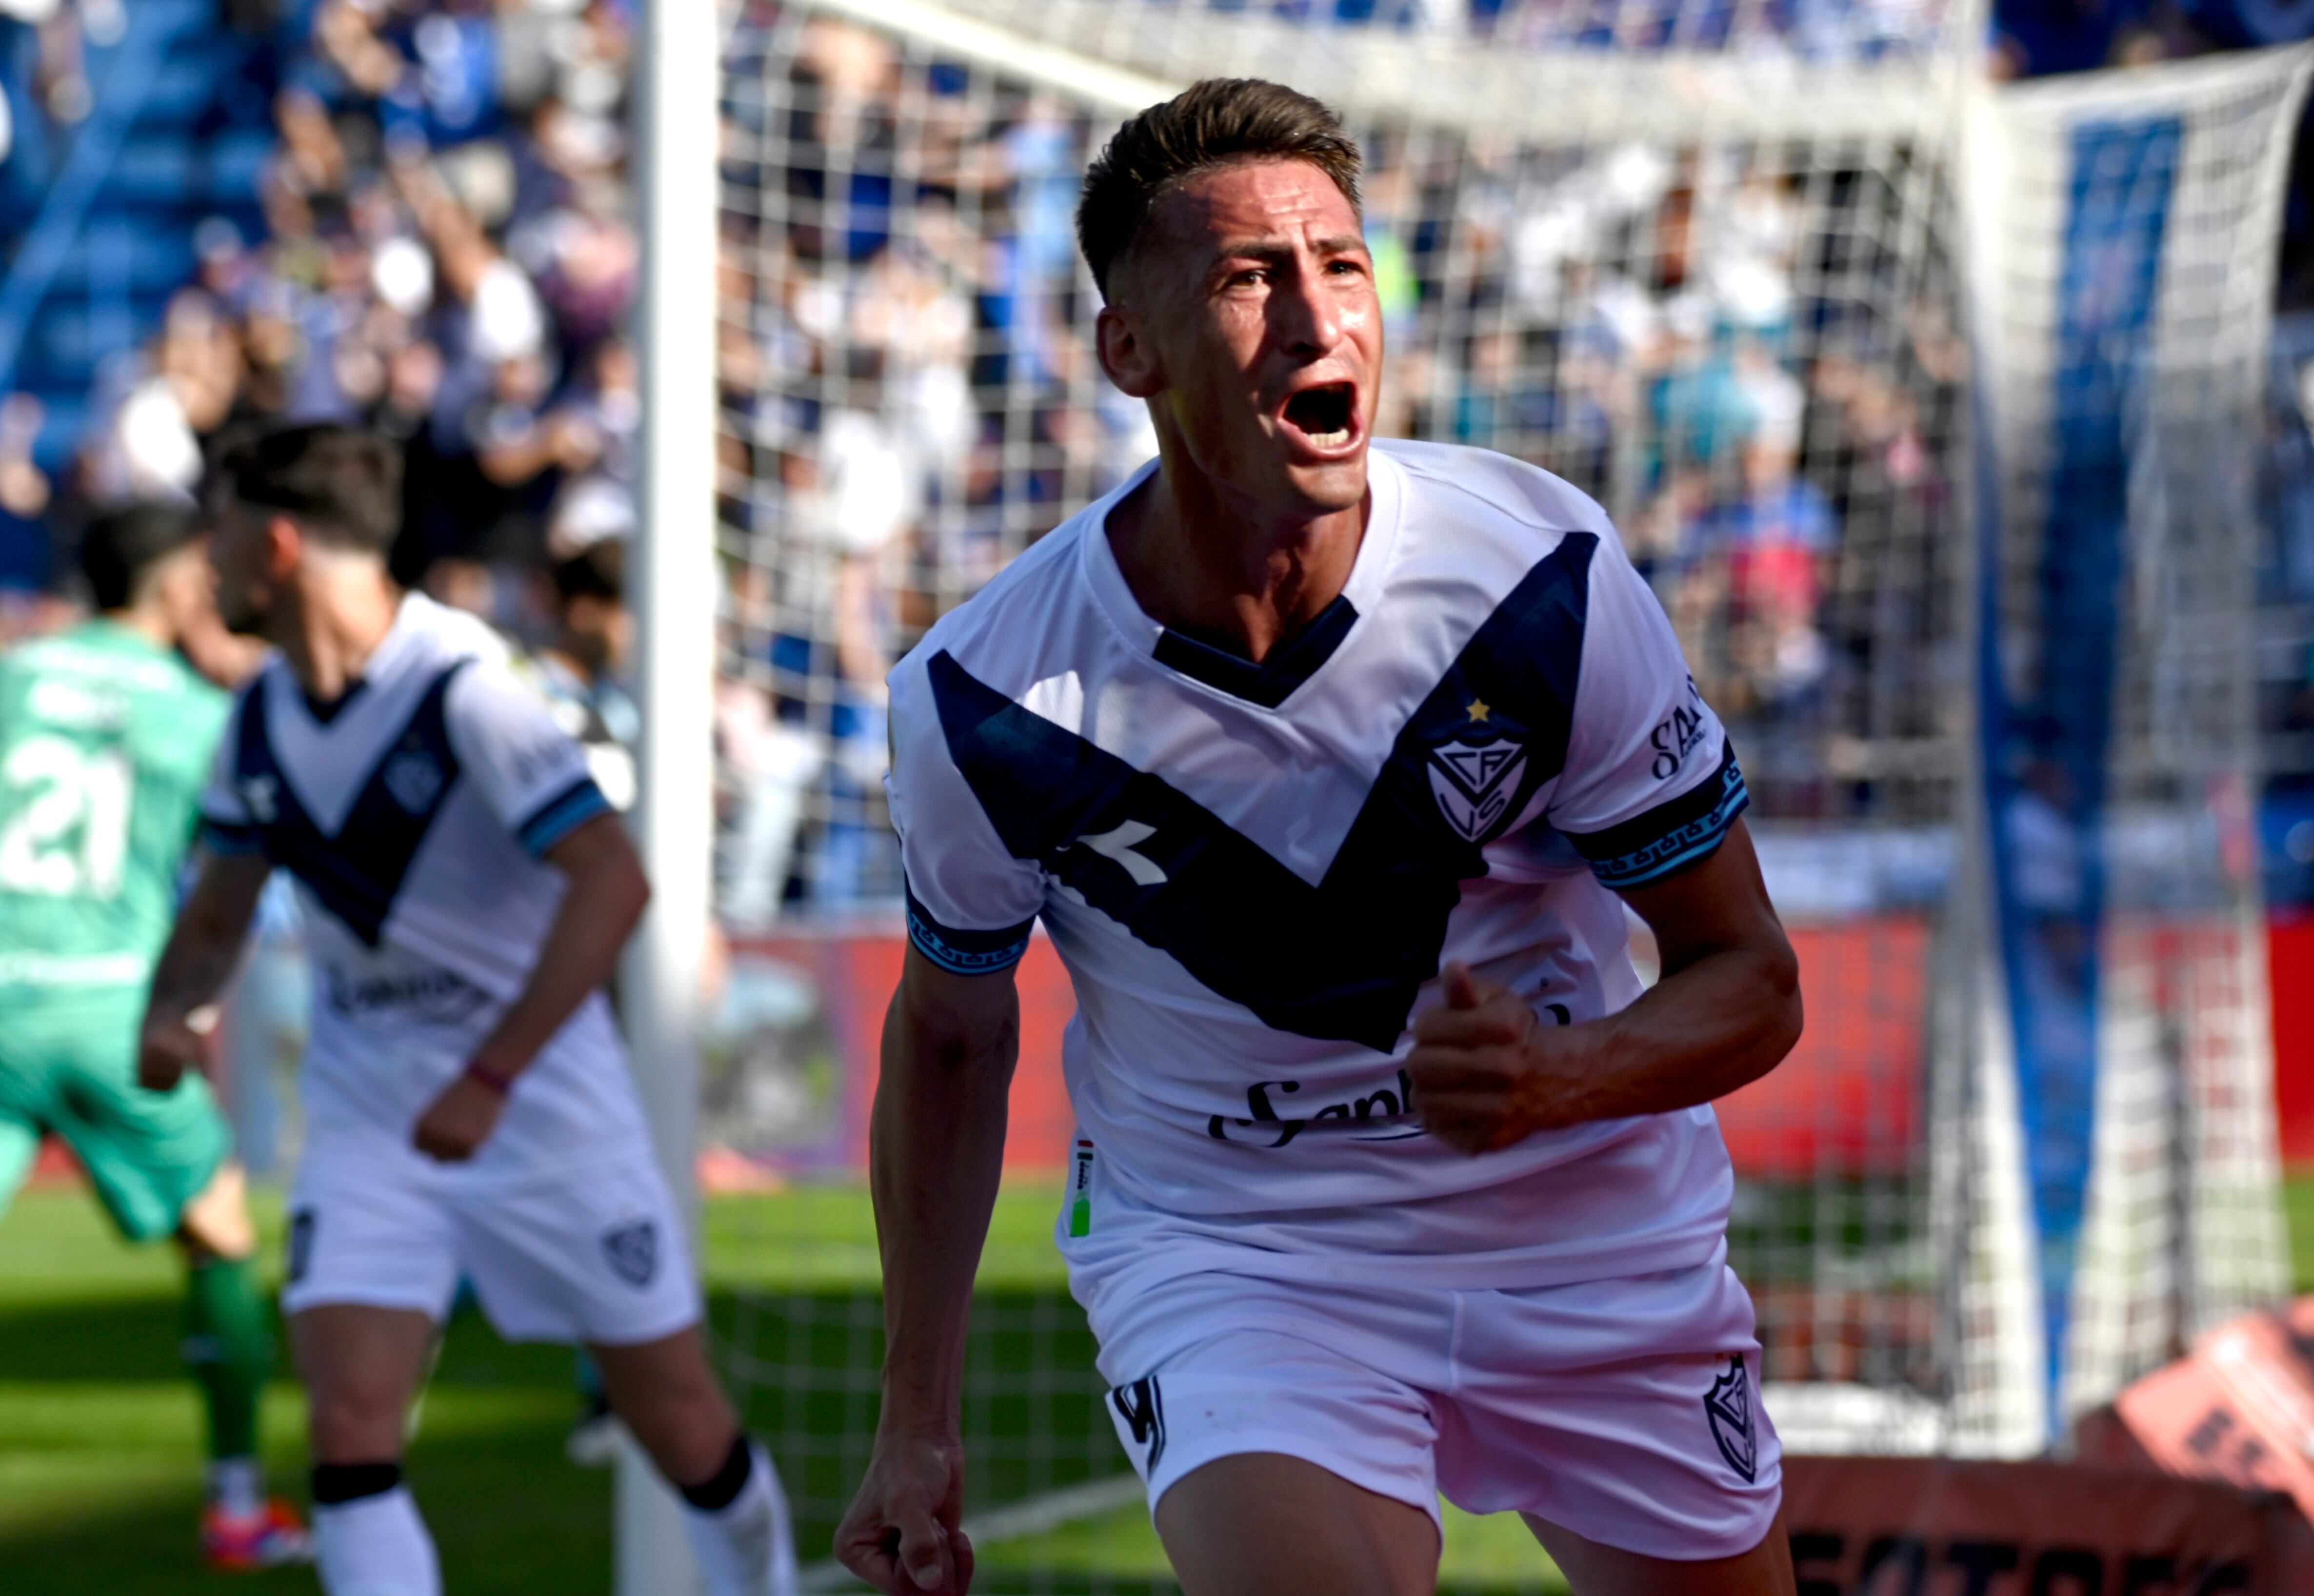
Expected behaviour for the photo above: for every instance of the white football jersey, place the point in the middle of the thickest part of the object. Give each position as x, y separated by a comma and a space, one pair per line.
413, 816
1255, 873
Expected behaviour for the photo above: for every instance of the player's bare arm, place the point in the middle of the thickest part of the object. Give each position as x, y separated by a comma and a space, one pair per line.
606, 894
1489, 1071
199, 960
936, 1147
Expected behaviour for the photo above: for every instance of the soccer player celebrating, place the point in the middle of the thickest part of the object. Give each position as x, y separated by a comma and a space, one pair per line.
467, 1102
106, 735
1330, 765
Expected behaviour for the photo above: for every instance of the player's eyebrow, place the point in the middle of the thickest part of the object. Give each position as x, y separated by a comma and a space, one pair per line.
1273, 249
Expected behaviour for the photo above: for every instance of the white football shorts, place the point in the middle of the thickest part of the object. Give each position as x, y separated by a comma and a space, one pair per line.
1625, 1410
595, 1255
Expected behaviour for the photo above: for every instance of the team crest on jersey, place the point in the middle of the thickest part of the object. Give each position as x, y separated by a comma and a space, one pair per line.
260, 796
1728, 1405
632, 1250
1475, 776
414, 778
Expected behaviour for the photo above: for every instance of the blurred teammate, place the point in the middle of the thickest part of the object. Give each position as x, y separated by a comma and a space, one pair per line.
468, 1107
1326, 764
106, 736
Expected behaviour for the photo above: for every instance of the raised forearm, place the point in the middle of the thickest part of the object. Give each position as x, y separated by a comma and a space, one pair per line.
606, 896
1488, 1072
205, 944
1702, 1032
936, 1150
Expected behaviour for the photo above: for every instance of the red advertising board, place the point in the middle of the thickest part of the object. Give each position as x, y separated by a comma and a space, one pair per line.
1952, 1527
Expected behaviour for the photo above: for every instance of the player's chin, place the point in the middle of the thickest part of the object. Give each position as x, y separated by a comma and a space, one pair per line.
1324, 482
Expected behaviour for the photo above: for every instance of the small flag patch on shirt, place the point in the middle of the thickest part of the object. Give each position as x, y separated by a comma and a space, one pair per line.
1080, 1206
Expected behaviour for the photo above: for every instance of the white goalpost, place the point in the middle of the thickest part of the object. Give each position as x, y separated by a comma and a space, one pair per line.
674, 586
1922, 404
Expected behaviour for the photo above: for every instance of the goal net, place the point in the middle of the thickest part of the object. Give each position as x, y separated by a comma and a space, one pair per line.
1923, 408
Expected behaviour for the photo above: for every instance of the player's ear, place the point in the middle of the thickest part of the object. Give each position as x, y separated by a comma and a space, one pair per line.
1126, 356
284, 542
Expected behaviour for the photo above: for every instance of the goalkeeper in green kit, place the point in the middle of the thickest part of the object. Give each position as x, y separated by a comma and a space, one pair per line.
106, 738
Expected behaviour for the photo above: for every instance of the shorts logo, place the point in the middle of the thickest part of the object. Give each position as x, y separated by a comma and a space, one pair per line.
632, 1251
1143, 1409
1728, 1405
1474, 781
301, 1243
413, 778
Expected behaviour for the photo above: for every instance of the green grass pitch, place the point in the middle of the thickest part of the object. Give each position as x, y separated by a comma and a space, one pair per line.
100, 1444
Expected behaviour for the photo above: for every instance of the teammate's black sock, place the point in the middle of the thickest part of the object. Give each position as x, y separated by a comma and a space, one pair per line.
722, 1488
334, 1482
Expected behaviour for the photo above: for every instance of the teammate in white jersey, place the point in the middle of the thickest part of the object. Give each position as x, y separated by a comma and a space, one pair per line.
1331, 769
468, 1105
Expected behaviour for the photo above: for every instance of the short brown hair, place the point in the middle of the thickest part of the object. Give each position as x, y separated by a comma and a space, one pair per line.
342, 483
121, 548
1214, 123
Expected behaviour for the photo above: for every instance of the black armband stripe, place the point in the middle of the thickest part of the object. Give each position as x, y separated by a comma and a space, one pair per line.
965, 953
1673, 836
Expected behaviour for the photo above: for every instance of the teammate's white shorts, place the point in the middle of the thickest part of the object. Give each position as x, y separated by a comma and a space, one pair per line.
595, 1255
1625, 1410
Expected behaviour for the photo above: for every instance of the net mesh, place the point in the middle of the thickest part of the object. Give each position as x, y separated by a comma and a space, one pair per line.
1721, 287
2130, 287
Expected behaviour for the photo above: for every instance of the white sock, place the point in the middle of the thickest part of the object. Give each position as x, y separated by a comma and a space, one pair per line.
236, 1486
745, 1548
376, 1546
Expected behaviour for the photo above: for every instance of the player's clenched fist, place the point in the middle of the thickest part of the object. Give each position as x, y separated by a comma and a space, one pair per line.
167, 1047
901, 1534
1484, 1075
458, 1121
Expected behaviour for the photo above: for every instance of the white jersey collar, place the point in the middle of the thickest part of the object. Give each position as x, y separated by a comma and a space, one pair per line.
1385, 486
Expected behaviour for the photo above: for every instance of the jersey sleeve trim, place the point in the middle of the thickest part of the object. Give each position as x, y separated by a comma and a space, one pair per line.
1676, 833
966, 953
560, 816
227, 837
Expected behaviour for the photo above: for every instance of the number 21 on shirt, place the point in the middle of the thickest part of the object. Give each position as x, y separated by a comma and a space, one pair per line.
64, 818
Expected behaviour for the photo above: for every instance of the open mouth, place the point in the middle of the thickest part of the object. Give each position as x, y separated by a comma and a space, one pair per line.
1326, 415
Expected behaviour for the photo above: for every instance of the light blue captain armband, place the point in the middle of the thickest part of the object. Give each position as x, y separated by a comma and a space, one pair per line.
1670, 836
560, 816
966, 953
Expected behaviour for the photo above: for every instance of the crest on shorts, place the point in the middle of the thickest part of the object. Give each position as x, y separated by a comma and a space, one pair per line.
632, 1250
1475, 776
414, 777
1728, 1405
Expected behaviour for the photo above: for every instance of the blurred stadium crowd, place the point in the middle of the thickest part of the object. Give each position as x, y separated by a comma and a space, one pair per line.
447, 251
446, 256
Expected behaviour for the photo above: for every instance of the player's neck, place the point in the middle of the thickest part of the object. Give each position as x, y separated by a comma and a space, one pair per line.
149, 622
1200, 561
339, 614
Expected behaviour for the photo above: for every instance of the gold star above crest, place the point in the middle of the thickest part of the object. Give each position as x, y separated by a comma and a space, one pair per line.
1478, 708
